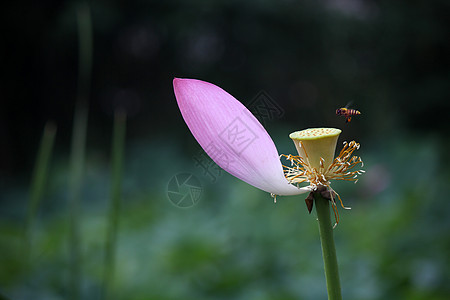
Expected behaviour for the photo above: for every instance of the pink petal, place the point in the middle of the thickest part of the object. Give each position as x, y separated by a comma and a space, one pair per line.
232, 136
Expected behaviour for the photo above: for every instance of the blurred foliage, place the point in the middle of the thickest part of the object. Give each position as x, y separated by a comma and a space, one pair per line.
237, 244
389, 57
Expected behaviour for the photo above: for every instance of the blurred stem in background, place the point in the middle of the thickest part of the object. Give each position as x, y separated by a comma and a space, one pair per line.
38, 181
328, 248
78, 148
117, 153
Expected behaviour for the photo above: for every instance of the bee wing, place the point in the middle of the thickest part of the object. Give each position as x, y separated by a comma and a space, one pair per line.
348, 104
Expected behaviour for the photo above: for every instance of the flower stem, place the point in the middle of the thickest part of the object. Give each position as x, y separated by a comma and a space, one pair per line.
328, 248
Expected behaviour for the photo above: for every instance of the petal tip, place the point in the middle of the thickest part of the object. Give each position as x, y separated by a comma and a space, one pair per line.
175, 81
179, 83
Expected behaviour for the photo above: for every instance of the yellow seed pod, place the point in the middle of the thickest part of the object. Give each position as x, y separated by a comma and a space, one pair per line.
315, 143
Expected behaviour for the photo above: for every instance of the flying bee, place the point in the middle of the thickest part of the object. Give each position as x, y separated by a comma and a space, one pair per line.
347, 112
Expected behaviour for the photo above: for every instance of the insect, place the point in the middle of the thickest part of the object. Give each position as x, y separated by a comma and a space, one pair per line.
347, 112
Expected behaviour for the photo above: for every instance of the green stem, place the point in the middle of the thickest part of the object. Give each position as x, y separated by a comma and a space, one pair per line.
78, 146
38, 181
328, 248
117, 151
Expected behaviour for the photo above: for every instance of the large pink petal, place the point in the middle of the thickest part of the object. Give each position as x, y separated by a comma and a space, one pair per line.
231, 135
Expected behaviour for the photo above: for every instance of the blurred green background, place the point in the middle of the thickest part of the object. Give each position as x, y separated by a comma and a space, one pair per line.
391, 58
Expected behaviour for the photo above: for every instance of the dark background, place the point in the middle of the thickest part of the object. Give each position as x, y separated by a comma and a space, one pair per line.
390, 58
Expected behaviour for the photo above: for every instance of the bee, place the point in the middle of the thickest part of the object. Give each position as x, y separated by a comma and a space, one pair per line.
347, 112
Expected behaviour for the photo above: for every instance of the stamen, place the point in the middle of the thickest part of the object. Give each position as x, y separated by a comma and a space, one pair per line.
342, 204
274, 197
336, 214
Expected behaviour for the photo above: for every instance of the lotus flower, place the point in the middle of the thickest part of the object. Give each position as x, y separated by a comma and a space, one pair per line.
239, 144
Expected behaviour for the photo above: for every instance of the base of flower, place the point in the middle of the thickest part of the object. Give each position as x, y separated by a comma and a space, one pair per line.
327, 193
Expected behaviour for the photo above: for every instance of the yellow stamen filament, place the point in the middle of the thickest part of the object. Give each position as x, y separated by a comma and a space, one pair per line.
274, 197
